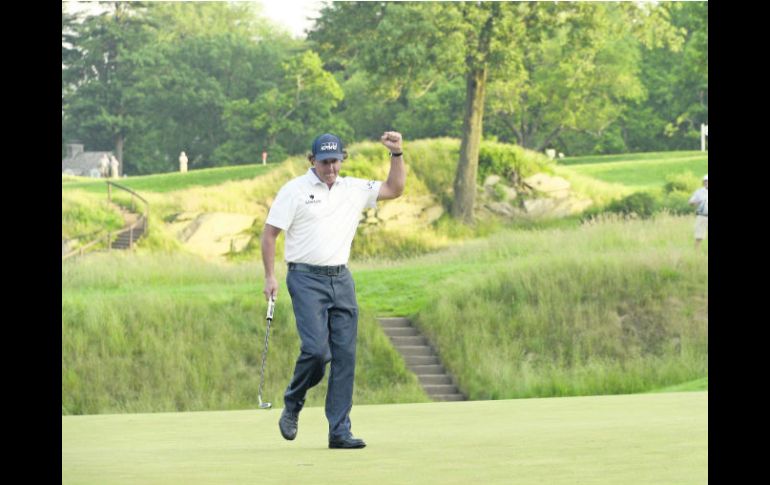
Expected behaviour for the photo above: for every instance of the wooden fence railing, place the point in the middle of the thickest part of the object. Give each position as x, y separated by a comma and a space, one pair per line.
141, 222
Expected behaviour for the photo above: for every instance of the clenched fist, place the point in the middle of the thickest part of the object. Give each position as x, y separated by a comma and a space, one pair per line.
392, 140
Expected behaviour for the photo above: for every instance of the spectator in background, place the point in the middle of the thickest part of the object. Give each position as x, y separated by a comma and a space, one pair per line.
114, 167
700, 200
183, 162
104, 167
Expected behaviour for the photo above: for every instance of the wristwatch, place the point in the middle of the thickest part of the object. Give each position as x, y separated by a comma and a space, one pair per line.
396, 154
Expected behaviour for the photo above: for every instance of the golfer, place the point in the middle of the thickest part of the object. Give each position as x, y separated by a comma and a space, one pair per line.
320, 211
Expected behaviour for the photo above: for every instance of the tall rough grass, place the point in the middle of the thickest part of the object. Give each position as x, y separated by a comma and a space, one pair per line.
611, 306
150, 333
614, 307
84, 214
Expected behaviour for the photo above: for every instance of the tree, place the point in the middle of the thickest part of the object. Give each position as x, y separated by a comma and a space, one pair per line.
677, 83
282, 118
150, 80
205, 55
187, 85
99, 98
549, 66
582, 70
408, 47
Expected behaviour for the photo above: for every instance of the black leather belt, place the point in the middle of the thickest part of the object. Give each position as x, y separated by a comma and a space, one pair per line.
309, 268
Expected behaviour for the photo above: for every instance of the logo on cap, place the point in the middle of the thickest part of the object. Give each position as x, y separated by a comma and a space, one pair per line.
327, 146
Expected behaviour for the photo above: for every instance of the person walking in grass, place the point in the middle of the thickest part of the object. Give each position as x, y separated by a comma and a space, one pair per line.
700, 200
320, 211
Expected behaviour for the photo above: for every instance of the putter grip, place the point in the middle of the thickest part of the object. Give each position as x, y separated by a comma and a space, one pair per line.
270, 308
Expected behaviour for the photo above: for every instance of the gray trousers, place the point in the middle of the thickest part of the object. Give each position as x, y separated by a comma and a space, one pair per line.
326, 311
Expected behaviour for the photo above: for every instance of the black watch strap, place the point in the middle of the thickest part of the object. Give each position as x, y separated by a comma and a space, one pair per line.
392, 154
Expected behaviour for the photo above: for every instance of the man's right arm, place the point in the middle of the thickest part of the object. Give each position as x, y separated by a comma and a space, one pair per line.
269, 236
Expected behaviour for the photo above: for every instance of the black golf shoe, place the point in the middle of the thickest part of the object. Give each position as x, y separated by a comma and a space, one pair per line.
288, 424
348, 443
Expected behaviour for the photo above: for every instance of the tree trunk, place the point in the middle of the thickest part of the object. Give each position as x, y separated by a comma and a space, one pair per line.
548, 139
465, 178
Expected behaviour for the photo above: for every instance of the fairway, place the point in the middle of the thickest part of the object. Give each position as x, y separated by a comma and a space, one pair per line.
637, 172
624, 439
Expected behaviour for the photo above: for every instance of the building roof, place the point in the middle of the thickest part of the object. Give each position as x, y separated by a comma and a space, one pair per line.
83, 162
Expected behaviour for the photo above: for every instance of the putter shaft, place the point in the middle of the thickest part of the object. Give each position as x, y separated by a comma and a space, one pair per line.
270, 310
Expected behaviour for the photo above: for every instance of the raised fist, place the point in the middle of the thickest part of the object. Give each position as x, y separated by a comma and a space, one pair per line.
392, 140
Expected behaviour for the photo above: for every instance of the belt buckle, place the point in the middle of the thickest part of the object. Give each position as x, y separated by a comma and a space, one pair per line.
331, 270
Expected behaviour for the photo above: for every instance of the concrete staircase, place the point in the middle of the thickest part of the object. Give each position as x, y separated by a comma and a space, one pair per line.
421, 359
126, 238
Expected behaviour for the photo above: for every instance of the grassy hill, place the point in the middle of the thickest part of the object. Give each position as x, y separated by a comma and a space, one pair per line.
607, 177
169, 182
606, 308
634, 440
516, 310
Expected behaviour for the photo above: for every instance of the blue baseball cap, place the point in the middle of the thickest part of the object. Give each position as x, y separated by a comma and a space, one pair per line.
327, 146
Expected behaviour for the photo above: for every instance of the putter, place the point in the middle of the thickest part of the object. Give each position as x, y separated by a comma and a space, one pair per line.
270, 309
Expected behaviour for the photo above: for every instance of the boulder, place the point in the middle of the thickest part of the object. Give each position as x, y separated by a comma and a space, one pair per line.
556, 187
501, 208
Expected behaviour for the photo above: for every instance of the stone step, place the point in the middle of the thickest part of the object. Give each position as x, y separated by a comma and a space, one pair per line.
395, 322
448, 397
421, 359
415, 340
422, 350
440, 389
127, 237
430, 369
401, 332
434, 379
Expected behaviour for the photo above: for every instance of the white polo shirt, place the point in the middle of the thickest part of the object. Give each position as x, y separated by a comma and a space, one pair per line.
320, 222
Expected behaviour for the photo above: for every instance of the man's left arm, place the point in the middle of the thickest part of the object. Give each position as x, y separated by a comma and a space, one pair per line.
394, 185
696, 198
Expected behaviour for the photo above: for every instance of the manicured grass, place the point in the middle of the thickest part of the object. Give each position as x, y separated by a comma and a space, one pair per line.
637, 172
169, 182
627, 157
403, 290
627, 439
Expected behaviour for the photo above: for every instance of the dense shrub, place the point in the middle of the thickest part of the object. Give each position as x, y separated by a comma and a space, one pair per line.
683, 182
672, 199
642, 204
510, 161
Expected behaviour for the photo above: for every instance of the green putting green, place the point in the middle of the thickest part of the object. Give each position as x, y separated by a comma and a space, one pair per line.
625, 439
